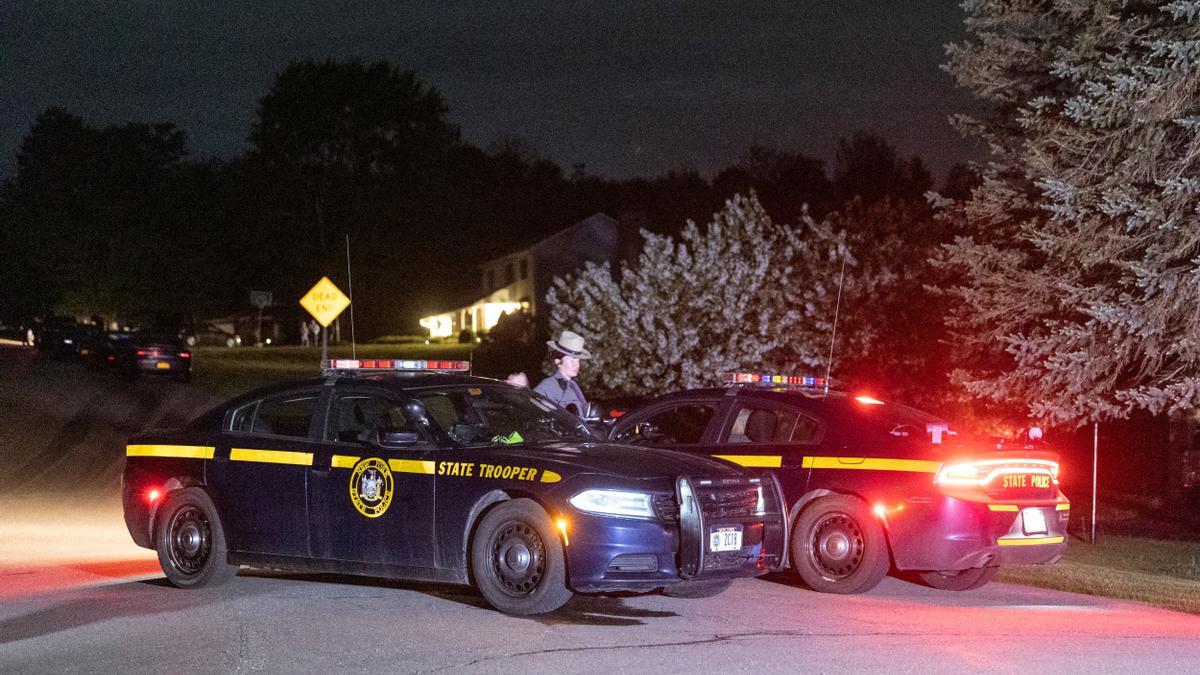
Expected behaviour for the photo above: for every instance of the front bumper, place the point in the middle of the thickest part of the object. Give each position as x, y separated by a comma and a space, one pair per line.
606, 554
946, 533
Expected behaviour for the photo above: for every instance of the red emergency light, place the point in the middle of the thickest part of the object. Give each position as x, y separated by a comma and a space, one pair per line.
394, 365
774, 380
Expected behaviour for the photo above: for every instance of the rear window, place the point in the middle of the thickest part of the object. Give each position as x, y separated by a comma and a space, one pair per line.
289, 416
760, 424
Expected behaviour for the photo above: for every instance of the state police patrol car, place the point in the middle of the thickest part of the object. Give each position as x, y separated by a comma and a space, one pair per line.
415, 470
870, 485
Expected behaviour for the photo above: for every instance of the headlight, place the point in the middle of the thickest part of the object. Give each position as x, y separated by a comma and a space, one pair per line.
614, 503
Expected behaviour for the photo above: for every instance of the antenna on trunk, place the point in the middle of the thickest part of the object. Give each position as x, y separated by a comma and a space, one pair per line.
350, 292
833, 337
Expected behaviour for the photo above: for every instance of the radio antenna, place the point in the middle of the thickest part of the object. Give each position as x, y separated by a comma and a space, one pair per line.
833, 337
350, 288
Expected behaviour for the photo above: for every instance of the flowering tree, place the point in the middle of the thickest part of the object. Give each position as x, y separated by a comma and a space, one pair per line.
741, 293
1080, 290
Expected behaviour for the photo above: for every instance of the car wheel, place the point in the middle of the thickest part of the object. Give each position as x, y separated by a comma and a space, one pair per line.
959, 580
838, 546
190, 541
518, 561
698, 588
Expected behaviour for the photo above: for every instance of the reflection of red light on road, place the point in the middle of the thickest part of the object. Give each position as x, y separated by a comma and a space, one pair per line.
23, 581
152, 496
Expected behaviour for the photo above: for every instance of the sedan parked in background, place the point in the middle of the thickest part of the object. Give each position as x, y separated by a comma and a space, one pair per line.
145, 353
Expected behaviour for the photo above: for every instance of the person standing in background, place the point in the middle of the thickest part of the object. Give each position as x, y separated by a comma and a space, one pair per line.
567, 353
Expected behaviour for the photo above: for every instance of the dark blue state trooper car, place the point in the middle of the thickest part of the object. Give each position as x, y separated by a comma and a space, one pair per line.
870, 485
416, 470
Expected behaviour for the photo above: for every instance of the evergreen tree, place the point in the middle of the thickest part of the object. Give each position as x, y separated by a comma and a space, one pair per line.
1081, 275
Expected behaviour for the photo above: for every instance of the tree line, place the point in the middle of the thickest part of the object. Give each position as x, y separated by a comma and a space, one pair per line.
1057, 280
119, 221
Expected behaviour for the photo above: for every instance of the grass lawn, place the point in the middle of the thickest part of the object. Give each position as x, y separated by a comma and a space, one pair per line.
1161, 573
230, 372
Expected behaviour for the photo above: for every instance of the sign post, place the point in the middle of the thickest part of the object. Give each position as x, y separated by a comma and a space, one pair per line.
261, 300
325, 302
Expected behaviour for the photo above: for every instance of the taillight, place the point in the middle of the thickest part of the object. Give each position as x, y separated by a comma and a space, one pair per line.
185, 355
141, 352
983, 472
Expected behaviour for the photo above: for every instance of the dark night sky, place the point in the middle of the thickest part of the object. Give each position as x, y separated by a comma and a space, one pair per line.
626, 87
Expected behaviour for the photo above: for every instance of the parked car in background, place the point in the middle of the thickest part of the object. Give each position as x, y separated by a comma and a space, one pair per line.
146, 353
55, 336
210, 334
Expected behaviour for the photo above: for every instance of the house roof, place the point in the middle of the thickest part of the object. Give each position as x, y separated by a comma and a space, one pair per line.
547, 240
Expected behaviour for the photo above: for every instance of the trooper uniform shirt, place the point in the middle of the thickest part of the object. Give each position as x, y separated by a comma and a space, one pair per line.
564, 392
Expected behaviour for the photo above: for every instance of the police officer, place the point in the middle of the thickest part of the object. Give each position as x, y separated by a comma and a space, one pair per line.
567, 353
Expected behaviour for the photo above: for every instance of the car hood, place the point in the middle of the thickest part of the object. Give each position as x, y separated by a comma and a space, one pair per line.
625, 461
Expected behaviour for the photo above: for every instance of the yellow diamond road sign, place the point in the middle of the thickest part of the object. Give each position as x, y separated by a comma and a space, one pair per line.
324, 301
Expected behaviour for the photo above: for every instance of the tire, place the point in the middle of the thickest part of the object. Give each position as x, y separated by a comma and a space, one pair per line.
190, 541
959, 580
517, 560
698, 589
838, 546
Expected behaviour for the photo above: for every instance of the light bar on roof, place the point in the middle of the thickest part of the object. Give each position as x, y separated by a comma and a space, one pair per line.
395, 365
772, 379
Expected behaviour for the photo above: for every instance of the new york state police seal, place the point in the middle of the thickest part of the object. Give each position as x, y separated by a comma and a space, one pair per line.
371, 487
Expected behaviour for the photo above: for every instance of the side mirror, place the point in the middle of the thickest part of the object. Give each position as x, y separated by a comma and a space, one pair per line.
415, 411
592, 414
395, 438
646, 431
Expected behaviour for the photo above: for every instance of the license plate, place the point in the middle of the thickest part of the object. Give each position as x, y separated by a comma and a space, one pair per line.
1033, 521
725, 539
162, 365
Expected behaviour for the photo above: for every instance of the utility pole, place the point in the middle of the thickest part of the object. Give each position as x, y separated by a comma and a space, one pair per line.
1095, 470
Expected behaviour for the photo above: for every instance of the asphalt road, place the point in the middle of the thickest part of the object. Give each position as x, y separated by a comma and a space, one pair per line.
77, 596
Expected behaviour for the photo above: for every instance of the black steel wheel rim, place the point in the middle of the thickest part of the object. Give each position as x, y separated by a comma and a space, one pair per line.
190, 541
518, 558
837, 545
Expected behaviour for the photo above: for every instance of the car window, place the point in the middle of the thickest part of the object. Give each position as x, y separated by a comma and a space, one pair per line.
760, 424
476, 415
282, 416
360, 417
677, 425
243, 418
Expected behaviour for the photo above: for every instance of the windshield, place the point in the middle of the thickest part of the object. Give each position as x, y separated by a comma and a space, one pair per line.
500, 415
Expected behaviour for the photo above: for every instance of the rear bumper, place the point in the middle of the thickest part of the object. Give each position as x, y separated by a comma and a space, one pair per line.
163, 365
953, 534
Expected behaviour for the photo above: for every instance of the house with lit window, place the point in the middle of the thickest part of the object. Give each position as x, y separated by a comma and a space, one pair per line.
520, 280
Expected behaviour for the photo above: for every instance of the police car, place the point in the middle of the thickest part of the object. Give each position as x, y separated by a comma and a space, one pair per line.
416, 470
870, 485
